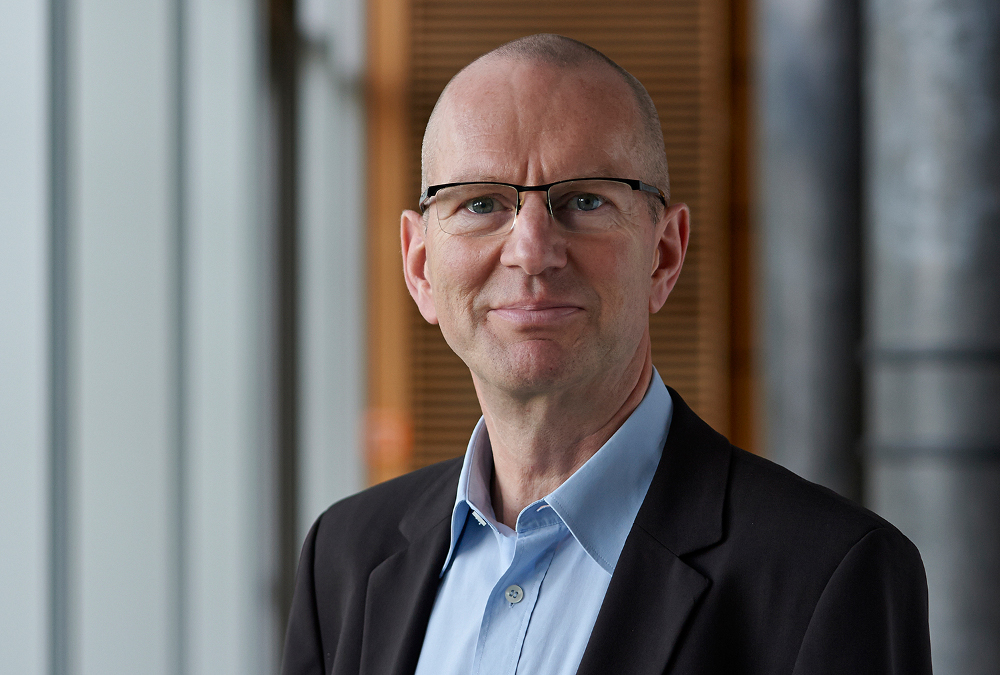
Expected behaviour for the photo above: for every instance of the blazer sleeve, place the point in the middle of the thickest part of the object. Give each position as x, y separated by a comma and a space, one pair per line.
871, 618
303, 647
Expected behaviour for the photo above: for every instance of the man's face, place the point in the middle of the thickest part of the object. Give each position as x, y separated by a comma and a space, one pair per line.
541, 309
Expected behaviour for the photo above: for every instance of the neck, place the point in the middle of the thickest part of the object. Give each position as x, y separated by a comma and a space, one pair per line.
540, 442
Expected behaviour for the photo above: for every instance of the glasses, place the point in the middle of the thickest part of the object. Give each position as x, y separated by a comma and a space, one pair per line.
480, 209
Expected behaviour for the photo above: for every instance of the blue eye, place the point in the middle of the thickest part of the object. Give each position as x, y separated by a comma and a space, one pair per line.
585, 202
483, 205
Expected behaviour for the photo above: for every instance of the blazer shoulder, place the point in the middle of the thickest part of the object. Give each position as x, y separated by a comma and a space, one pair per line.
852, 585
801, 577
370, 520
780, 505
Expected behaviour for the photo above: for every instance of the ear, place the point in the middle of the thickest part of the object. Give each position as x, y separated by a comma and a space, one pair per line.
672, 232
412, 237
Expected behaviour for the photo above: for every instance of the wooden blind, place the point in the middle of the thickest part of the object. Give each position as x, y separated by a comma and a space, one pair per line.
681, 51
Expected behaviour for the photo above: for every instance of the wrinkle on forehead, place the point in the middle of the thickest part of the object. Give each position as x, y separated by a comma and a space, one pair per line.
547, 112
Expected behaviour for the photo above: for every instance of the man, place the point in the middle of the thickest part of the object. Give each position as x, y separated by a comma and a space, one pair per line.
595, 525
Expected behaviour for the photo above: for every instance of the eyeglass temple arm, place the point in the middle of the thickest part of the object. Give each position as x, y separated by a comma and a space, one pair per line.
652, 189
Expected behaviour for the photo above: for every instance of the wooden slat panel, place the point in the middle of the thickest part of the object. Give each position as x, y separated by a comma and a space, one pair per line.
679, 50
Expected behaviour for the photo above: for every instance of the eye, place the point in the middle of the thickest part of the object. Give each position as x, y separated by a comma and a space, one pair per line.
584, 202
483, 205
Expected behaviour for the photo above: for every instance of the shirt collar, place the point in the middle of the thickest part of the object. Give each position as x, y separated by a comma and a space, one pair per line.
600, 500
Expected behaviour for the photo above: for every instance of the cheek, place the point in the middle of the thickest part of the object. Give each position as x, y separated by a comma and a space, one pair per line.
457, 272
624, 273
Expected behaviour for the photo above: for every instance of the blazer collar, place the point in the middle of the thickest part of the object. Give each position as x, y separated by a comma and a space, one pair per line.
653, 591
683, 508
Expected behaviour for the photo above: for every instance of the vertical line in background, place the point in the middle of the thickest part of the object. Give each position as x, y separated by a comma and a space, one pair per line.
59, 337
283, 66
180, 337
855, 416
743, 429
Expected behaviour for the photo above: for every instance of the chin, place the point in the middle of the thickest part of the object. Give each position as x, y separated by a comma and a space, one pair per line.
533, 368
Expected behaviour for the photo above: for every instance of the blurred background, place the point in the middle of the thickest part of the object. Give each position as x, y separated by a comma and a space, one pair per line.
205, 338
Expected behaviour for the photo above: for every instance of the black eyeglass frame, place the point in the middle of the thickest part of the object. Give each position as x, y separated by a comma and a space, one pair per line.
636, 185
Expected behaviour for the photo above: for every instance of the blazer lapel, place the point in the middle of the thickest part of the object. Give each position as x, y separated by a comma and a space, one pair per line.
402, 588
653, 591
643, 612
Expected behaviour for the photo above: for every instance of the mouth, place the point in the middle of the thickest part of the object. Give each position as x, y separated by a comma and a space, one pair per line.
535, 313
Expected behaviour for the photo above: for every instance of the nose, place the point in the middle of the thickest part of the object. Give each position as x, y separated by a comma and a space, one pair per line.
537, 243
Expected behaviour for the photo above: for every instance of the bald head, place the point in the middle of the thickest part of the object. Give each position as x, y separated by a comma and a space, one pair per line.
558, 58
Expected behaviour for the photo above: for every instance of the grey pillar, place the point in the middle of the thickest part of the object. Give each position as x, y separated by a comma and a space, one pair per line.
933, 375
808, 195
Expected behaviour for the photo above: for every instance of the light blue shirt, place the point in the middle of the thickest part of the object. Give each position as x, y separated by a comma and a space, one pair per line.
525, 600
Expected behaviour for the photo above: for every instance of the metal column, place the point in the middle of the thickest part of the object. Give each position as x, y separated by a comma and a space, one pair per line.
933, 306
808, 195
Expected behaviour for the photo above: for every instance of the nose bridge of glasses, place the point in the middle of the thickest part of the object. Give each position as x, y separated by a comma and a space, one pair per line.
522, 195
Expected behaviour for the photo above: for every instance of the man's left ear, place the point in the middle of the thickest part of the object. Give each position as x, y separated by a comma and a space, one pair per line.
672, 231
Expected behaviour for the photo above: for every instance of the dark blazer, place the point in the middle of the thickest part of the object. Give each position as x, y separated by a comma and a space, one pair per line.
733, 565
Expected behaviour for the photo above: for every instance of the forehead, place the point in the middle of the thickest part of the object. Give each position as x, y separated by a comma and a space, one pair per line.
533, 123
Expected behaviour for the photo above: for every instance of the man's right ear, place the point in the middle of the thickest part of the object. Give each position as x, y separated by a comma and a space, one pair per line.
415, 268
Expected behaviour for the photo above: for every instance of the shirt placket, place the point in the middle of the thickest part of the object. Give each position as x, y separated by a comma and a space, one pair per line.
512, 600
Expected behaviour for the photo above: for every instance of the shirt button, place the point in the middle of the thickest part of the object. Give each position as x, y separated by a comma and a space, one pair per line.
514, 594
